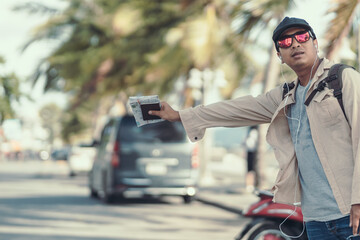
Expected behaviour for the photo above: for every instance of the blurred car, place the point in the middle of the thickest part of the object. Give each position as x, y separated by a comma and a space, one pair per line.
155, 159
81, 158
56, 155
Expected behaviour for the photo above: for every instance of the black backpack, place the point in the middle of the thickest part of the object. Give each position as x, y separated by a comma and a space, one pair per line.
332, 81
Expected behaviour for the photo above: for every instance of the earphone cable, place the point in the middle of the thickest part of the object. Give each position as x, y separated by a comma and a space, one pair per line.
295, 144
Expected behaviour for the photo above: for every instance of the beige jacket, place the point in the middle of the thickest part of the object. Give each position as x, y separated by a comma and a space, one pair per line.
336, 139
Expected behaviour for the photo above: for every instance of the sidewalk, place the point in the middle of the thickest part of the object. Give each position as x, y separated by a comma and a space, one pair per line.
223, 185
231, 197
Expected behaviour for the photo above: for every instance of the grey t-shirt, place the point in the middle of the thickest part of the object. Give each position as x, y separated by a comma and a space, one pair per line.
317, 199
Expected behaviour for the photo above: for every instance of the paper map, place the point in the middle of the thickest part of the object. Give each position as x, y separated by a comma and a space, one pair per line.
137, 102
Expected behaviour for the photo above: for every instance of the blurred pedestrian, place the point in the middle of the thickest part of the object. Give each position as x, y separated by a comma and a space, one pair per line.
317, 145
251, 144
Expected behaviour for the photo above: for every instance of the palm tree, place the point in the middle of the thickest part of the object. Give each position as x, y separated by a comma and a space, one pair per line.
132, 46
142, 46
103, 49
260, 14
340, 26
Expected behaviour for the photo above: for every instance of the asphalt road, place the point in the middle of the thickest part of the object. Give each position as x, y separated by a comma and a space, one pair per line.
39, 201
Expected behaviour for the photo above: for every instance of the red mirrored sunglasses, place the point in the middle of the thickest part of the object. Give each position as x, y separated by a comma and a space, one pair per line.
287, 40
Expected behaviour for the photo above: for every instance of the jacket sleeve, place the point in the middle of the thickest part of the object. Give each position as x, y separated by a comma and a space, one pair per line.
243, 111
351, 100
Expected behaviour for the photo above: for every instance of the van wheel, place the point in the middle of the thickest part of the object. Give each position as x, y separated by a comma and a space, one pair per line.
93, 193
188, 199
106, 196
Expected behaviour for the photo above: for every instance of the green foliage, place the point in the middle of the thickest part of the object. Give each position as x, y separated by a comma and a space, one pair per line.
259, 13
72, 125
9, 92
101, 31
75, 123
50, 115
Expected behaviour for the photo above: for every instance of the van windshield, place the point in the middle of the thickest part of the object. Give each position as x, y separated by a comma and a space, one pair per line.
157, 132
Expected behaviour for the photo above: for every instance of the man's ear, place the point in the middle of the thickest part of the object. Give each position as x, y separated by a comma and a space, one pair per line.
279, 55
316, 45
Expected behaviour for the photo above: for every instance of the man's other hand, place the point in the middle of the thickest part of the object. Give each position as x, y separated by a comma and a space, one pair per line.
355, 218
167, 113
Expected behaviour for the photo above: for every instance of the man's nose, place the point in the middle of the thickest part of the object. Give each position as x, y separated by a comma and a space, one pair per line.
294, 43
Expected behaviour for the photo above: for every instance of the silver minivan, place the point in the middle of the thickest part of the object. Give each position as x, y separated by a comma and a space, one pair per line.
155, 159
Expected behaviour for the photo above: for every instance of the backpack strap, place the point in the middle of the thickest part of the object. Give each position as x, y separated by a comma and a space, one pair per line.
319, 88
335, 82
332, 81
287, 87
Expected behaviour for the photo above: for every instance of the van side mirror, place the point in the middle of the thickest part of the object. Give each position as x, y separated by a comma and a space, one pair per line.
95, 143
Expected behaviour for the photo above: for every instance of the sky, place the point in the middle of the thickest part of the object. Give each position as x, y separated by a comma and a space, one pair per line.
313, 11
16, 28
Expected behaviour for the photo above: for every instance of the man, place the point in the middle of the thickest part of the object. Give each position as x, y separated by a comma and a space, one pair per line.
317, 146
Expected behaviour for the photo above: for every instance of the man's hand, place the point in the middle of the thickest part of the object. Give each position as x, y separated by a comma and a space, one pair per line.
355, 218
167, 113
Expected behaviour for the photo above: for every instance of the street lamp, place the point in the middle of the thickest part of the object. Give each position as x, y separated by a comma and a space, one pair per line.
206, 84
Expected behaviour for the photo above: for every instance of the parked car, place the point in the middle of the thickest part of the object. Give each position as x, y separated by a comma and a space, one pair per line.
81, 158
155, 159
56, 154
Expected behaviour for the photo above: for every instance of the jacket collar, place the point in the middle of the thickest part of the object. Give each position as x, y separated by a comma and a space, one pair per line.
325, 65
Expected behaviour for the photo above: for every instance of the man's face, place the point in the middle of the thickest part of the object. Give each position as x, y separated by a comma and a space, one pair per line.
298, 55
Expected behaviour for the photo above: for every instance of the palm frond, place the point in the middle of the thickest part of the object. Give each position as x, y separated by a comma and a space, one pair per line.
252, 13
36, 8
340, 25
